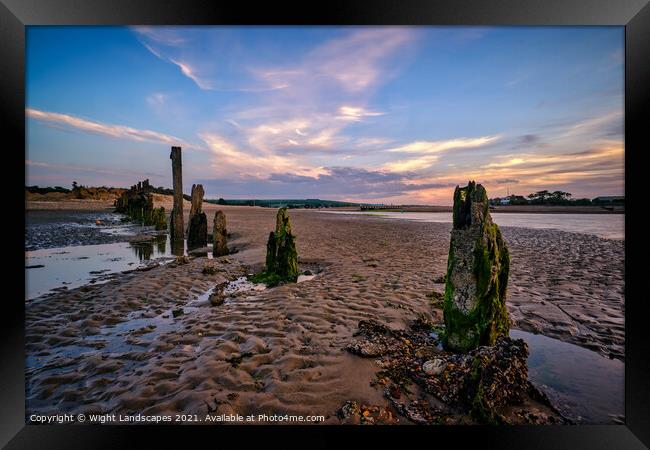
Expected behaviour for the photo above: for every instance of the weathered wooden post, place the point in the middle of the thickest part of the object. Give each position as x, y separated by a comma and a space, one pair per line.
287, 256
197, 200
197, 227
281, 254
475, 310
219, 235
271, 253
176, 229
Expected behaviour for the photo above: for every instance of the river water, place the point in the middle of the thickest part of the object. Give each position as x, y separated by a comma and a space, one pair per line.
608, 226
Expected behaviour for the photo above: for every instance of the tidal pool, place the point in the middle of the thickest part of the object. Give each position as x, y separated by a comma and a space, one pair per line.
585, 386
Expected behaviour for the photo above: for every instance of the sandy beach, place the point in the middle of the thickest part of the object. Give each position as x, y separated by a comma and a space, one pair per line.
283, 349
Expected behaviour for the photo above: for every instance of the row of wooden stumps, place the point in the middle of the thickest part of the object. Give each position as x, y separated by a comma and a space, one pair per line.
281, 255
137, 203
197, 226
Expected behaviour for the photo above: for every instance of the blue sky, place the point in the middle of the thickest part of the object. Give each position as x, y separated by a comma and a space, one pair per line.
378, 114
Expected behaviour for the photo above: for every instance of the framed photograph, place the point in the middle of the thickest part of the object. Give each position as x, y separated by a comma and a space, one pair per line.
255, 224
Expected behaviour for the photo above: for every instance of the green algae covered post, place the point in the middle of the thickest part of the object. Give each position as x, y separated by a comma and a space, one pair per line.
137, 203
287, 256
281, 253
475, 310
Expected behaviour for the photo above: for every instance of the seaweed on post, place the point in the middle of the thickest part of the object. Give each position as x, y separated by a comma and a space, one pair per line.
137, 204
477, 274
281, 254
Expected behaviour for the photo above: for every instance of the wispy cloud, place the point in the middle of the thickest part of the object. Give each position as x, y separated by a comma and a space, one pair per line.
115, 131
428, 152
325, 91
186, 49
302, 106
506, 163
592, 126
358, 60
356, 113
163, 41
407, 165
609, 150
169, 36
192, 73
229, 160
271, 136
429, 147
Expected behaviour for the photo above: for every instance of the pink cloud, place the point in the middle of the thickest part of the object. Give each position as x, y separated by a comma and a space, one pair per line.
115, 131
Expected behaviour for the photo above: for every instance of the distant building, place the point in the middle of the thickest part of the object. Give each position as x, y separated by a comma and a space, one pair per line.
509, 200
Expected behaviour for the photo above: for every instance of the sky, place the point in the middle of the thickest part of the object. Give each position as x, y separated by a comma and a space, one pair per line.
396, 115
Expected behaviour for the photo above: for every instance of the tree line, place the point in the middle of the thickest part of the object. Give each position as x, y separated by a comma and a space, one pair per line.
546, 197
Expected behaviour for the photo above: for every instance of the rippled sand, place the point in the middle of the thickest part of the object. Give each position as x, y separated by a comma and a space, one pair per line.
117, 347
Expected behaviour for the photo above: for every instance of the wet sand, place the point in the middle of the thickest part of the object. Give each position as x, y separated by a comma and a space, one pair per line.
70, 204
117, 347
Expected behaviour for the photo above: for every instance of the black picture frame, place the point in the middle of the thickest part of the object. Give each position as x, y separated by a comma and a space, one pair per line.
633, 14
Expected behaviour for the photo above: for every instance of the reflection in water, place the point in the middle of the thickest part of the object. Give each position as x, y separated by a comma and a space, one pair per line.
582, 384
144, 250
162, 245
71, 267
178, 247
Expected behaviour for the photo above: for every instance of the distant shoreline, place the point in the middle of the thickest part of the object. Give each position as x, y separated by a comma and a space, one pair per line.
532, 209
